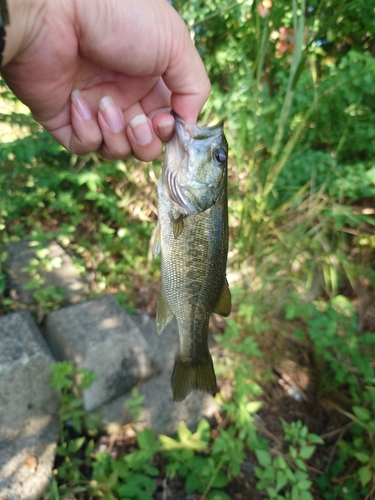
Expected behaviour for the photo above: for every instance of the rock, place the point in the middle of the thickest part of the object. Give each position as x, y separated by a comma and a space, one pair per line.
64, 276
29, 422
160, 412
99, 336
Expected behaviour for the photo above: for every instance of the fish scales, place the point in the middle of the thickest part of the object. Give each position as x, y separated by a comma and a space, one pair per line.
196, 260
193, 267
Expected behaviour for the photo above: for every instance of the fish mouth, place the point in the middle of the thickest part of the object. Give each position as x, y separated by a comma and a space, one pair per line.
185, 131
187, 137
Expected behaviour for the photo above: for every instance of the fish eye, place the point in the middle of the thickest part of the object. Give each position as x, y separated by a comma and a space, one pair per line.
219, 155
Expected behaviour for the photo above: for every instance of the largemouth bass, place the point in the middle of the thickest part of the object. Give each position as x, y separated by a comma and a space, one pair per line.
192, 236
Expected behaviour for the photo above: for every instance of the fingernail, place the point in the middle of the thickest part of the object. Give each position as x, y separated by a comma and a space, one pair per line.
112, 114
166, 128
81, 105
141, 129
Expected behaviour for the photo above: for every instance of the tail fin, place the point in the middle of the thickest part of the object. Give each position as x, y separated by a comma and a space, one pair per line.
187, 377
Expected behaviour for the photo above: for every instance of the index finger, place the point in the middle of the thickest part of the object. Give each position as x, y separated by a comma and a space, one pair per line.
186, 75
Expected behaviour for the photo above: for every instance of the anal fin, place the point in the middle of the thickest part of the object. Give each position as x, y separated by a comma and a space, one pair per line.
224, 304
164, 314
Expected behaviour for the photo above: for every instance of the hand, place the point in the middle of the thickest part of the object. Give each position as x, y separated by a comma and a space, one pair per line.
103, 75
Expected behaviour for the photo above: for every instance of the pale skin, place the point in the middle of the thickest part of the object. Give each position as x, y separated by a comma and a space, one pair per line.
102, 75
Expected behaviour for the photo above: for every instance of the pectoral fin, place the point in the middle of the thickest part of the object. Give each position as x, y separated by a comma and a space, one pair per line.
178, 226
156, 246
224, 304
164, 313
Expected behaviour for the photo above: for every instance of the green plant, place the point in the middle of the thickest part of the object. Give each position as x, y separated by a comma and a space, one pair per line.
286, 476
128, 477
71, 382
203, 472
344, 356
83, 469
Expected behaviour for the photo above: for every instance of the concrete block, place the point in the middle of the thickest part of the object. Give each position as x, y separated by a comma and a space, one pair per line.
65, 276
100, 336
160, 412
29, 423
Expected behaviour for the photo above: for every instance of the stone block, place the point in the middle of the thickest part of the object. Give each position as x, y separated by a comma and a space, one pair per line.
64, 276
99, 336
29, 423
160, 412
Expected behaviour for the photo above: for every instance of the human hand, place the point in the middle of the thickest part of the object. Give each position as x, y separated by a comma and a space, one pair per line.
103, 75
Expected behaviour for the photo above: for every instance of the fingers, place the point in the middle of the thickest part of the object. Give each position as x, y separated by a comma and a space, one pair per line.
131, 131
114, 133
112, 124
85, 134
185, 75
75, 127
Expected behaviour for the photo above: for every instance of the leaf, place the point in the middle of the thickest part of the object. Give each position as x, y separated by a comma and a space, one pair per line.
259, 472
365, 475
300, 463
143, 495
295, 493
305, 495
362, 413
219, 481
153, 471
90, 448
281, 479
362, 456
289, 474
313, 438
304, 484
280, 462
169, 443
218, 495
254, 406
263, 457
306, 452
76, 444
193, 484
145, 439
148, 483
183, 432
121, 468
203, 427
129, 490
271, 492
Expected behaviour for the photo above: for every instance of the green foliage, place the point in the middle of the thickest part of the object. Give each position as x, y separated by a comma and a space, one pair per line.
135, 403
286, 476
204, 467
82, 468
344, 359
89, 206
128, 477
71, 382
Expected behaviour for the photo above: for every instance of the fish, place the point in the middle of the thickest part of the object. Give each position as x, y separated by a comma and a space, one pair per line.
192, 238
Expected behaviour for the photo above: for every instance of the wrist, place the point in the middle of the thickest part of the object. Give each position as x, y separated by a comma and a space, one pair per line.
25, 22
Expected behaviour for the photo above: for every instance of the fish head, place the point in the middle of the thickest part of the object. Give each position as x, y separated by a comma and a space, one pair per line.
195, 166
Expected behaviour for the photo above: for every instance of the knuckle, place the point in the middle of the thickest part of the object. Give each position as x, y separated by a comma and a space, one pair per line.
118, 154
